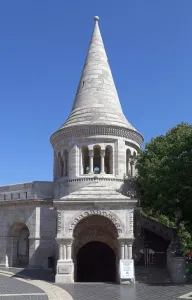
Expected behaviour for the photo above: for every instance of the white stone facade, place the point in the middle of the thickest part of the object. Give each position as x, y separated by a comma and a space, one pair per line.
91, 199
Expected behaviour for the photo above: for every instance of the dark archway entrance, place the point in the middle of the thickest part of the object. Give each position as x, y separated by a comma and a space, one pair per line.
96, 262
18, 245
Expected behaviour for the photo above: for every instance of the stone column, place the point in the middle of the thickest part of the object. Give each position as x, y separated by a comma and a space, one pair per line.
91, 155
130, 254
126, 251
68, 246
102, 154
61, 256
122, 249
64, 252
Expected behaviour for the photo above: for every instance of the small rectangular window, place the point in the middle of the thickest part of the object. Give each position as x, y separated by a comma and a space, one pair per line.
18, 195
11, 196
4, 197
25, 195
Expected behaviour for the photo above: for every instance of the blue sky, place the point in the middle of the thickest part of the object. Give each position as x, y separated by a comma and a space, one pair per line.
42, 50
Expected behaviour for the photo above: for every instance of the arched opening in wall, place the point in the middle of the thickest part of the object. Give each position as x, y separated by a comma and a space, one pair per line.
96, 262
133, 162
128, 162
95, 250
97, 159
65, 165
85, 159
61, 165
109, 160
18, 245
154, 250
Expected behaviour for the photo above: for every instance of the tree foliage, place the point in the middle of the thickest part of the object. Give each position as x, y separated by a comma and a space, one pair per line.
165, 172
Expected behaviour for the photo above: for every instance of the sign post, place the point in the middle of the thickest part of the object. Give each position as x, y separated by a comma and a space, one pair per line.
127, 271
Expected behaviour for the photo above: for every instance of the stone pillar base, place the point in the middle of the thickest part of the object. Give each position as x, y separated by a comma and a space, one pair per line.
65, 271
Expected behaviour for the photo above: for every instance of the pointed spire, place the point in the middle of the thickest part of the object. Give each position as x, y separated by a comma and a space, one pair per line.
96, 101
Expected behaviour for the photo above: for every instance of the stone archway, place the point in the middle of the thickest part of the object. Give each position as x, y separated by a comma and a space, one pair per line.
95, 236
18, 245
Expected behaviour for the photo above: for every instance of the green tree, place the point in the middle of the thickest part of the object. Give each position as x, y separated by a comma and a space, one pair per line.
165, 173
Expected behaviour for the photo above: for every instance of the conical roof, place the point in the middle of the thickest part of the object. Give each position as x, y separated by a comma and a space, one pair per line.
96, 101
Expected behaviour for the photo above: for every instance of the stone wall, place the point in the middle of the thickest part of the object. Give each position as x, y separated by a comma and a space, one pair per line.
29, 190
39, 219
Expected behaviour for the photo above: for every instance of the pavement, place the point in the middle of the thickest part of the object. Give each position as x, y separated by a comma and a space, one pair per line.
14, 285
25, 284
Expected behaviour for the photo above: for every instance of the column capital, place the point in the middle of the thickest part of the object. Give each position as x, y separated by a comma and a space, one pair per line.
91, 153
126, 240
102, 153
64, 240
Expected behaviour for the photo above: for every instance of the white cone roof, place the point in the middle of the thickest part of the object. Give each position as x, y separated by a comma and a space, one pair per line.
96, 101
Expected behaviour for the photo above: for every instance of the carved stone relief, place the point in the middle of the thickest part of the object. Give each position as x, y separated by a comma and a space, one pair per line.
108, 214
95, 229
58, 222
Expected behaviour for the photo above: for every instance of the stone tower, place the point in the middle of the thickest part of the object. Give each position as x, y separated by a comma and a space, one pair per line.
94, 154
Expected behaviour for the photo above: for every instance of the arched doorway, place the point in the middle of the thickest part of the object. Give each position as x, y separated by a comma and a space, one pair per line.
95, 250
96, 262
18, 245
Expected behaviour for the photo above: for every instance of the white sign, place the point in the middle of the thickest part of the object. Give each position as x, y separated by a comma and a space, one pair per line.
127, 269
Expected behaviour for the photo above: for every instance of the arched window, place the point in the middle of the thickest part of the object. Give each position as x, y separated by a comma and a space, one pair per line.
128, 161
109, 160
133, 169
65, 164
97, 159
85, 159
60, 165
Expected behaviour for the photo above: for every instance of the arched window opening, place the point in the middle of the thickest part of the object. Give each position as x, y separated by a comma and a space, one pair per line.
60, 165
96, 170
133, 162
85, 159
109, 160
128, 162
97, 159
18, 245
65, 164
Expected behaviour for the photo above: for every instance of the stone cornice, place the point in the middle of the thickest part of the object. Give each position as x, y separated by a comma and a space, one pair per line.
93, 178
115, 202
41, 238
86, 131
26, 202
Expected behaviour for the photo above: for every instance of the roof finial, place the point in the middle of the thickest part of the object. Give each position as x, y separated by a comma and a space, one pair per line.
96, 19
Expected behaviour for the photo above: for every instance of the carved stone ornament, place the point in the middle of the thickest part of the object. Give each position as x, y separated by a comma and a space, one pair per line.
59, 222
97, 130
108, 214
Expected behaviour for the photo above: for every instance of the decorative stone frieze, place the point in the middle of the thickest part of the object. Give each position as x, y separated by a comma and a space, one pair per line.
97, 131
108, 214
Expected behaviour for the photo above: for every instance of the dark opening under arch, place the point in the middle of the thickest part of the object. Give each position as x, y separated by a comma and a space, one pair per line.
96, 262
